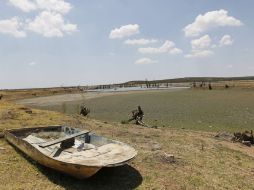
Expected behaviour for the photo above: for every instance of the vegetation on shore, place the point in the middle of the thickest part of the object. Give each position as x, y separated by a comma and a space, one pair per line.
192, 79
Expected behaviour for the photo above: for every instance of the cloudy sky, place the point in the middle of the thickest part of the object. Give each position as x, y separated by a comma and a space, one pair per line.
79, 42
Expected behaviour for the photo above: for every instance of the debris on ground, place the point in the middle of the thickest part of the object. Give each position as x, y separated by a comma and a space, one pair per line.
156, 147
202, 147
84, 110
27, 110
245, 138
165, 158
138, 115
142, 123
247, 143
1, 148
224, 136
170, 158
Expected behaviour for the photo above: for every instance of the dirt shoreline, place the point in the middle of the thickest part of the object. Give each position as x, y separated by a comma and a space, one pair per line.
59, 99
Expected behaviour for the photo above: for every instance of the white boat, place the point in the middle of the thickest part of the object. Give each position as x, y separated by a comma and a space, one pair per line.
76, 152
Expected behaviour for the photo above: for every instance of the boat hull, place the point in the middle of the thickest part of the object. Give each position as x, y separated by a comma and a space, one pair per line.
75, 170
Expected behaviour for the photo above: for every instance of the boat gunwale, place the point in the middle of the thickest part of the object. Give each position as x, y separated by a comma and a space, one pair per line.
11, 132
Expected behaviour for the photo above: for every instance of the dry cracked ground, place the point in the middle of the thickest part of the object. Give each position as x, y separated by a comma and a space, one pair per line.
201, 161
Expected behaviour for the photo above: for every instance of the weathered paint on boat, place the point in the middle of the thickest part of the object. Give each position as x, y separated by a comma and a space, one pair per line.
77, 168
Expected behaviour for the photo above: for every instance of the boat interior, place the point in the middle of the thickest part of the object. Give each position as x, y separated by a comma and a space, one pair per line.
76, 146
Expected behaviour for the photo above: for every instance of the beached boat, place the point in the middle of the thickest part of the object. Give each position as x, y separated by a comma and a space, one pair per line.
77, 152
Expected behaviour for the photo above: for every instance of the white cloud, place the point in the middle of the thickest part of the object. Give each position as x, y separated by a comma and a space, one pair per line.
32, 63
210, 20
124, 31
175, 51
199, 54
50, 5
111, 54
167, 47
140, 41
201, 43
214, 46
145, 61
226, 40
51, 24
54, 5
201, 46
12, 27
24, 5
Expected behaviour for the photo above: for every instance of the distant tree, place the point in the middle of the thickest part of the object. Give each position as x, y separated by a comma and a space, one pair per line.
147, 84
202, 84
210, 86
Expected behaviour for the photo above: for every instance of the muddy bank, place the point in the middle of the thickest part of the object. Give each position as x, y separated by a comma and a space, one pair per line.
60, 99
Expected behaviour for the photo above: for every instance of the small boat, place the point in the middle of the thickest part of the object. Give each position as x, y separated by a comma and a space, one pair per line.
73, 151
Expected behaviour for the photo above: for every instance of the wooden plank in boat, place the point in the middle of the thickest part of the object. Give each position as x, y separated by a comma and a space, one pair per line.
46, 144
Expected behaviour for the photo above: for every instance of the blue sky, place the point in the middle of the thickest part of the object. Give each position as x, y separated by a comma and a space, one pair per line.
65, 42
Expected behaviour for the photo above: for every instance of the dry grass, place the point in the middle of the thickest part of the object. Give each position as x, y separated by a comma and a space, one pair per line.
202, 162
31, 93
